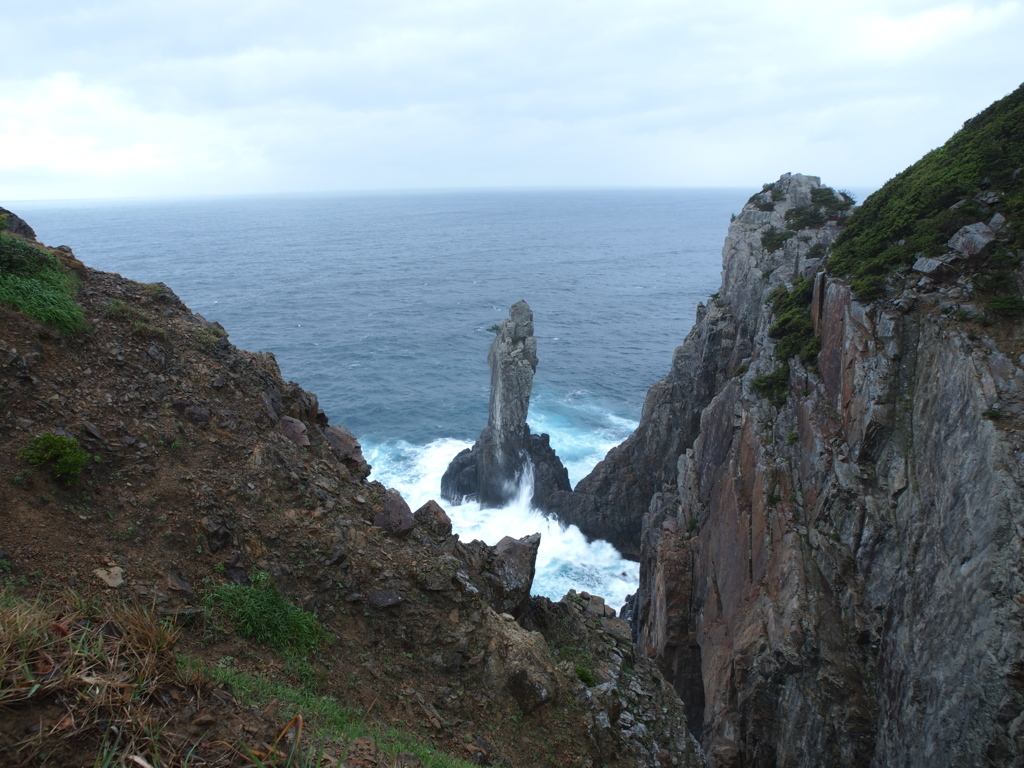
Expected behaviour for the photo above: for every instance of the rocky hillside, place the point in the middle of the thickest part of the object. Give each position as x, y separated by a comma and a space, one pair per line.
214, 569
826, 492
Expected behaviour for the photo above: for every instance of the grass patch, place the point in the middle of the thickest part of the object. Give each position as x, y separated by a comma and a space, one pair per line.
62, 454
36, 283
917, 212
108, 666
259, 612
328, 718
793, 328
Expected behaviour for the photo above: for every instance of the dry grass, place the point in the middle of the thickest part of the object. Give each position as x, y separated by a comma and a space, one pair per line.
105, 679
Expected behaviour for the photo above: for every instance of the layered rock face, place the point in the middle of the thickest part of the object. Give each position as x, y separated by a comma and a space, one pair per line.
833, 579
492, 469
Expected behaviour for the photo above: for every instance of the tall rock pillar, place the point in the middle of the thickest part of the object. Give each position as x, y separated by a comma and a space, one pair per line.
491, 469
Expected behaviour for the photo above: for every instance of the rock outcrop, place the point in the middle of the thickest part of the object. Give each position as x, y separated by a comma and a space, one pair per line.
830, 557
491, 471
11, 222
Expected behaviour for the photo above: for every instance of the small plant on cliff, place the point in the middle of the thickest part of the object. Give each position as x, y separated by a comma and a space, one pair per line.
773, 238
793, 328
259, 612
62, 454
774, 386
34, 281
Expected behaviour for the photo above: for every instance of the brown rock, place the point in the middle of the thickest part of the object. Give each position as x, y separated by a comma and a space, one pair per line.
433, 517
294, 430
347, 448
394, 516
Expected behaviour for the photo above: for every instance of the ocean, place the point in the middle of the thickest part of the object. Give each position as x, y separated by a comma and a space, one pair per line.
380, 304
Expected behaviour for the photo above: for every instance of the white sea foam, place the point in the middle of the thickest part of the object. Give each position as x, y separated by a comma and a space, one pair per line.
566, 559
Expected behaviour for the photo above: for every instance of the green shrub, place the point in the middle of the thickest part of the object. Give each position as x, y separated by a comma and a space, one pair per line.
34, 282
773, 386
917, 211
773, 238
793, 328
63, 455
585, 675
1007, 306
259, 612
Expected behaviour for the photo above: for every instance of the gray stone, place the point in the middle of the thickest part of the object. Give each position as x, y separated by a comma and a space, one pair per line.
382, 598
971, 240
939, 270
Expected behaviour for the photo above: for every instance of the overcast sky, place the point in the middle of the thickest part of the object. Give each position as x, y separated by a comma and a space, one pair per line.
139, 98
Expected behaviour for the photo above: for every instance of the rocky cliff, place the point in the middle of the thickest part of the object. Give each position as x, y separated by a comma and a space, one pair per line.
192, 560
491, 471
826, 493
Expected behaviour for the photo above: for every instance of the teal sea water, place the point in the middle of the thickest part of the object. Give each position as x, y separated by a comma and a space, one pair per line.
380, 304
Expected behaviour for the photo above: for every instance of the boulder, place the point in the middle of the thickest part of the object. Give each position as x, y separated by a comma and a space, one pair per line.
347, 448
938, 270
394, 515
971, 240
512, 572
434, 519
294, 430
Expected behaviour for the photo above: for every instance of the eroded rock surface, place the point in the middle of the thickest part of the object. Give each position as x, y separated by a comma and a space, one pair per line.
832, 580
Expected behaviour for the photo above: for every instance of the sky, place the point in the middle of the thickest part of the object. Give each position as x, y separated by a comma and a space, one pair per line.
146, 98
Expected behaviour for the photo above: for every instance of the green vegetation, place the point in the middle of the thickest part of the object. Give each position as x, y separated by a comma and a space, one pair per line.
826, 205
259, 612
35, 282
63, 455
328, 718
774, 238
585, 675
793, 328
918, 211
774, 386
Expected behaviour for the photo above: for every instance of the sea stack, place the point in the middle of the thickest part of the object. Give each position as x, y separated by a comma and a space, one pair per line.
491, 470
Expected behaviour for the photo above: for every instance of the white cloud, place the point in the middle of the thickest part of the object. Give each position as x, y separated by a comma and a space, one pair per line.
161, 98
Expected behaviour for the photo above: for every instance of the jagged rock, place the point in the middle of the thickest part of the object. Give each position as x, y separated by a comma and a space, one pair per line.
433, 518
348, 450
816, 556
513, 568
971, 240
294, 430
394, 516
611, 501
17, 226
491, 471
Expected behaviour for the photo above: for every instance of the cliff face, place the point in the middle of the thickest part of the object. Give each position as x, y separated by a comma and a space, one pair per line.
834, 578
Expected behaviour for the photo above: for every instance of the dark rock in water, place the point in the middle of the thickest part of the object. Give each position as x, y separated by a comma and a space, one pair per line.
17, 225
491, 470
